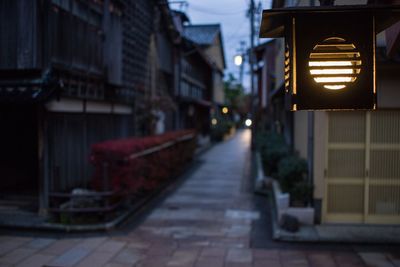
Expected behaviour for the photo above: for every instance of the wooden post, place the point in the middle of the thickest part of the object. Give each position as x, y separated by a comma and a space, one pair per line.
105, 176
106, 187
43, 173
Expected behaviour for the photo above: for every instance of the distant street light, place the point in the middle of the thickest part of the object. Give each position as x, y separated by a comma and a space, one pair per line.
214, 121
238, 60
248, 122
225, 110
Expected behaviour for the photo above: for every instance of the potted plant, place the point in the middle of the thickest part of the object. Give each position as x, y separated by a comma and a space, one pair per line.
292, 175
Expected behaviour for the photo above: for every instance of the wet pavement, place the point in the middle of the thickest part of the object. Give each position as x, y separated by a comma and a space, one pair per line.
210, 220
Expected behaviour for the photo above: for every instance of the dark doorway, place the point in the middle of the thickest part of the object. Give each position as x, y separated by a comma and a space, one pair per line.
18, 156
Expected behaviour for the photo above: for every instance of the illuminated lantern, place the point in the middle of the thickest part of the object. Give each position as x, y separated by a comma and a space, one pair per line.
329, 54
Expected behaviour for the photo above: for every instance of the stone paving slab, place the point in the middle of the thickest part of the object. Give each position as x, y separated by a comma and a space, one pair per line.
205, 223
71, 257
60, 246
9, 243
96, 258
17, 255
40, 243
377, 259
36, 260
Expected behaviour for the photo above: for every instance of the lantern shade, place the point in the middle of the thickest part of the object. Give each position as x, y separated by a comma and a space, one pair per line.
329, 59
274, 20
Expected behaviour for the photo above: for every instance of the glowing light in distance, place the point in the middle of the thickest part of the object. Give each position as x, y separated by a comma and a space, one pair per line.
225, 110
238, 59
248, 122
214, 121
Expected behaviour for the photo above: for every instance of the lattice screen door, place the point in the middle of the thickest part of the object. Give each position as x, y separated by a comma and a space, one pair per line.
362, 169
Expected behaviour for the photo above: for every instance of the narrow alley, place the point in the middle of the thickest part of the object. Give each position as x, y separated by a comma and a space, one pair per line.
257, 133
205, 222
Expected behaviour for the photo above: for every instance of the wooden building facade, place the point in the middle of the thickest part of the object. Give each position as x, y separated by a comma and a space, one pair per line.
73, 73
352, 155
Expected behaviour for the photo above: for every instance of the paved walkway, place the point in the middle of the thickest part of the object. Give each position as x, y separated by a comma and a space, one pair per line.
206, 222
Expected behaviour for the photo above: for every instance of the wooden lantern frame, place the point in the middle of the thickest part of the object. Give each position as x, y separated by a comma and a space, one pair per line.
307, 28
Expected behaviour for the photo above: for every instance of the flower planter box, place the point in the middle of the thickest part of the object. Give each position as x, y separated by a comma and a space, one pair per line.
305, 215
136, 165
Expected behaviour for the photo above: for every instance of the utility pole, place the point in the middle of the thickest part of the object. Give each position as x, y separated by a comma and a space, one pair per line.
242, 52
251, 62
257, 19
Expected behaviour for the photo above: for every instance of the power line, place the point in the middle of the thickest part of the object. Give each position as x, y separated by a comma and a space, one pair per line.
234, 34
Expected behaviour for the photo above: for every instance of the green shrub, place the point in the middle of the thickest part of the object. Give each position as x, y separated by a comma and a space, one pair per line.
219, 130
290, 170
301, 193
273, 148
266, 139
292, 175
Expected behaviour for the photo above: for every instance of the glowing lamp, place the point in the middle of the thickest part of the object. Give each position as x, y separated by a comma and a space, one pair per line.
225, 110
335, 63
238, 59
329, 53
248, 122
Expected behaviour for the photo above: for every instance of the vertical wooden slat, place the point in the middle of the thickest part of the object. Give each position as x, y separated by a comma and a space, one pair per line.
9, 33
44, 177
367, 163
25, 32
325, 200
